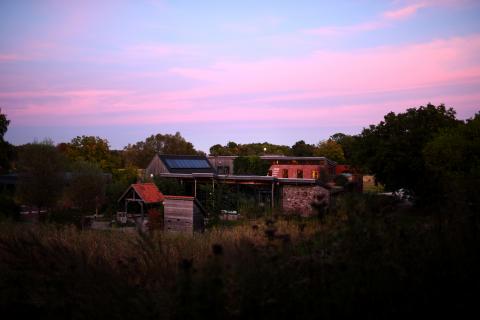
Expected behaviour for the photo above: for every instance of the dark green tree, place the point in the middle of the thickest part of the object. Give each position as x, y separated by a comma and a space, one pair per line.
169, 186
250, 165
86, 188
347, 143
121, 179
90, 149
249, 149
6, 149
302, 149
41, 175
331, 150
453, 158
141, 153
392, 149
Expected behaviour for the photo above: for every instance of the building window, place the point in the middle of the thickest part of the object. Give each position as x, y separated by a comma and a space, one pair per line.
300, 173
270, 173
285, 173
314, 174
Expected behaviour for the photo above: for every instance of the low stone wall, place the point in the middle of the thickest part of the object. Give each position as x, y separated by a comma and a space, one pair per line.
299, 199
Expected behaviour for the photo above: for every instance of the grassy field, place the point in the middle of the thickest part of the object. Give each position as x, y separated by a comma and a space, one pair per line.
368, 259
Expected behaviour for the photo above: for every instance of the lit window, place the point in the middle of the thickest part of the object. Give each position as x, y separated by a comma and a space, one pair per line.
314, 174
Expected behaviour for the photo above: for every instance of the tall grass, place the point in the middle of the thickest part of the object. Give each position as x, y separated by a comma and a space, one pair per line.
366, 259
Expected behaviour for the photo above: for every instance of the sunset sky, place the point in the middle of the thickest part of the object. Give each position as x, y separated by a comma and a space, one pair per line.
245, 71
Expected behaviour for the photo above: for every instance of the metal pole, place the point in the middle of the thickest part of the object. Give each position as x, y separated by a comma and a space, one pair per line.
213, 192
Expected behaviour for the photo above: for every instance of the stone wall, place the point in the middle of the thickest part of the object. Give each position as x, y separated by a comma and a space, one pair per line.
298, 199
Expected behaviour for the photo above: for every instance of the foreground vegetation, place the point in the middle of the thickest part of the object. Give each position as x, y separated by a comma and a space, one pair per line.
368, 258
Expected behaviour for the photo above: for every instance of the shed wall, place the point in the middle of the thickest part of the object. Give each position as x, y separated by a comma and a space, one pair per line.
178, 215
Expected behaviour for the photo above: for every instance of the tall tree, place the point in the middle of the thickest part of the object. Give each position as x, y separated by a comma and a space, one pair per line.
331, 150
347, 143
248, 149
392, 149
302, 149
142, 152
453, 158
6, 149
90, 149
4, 122
41, 174
86, 188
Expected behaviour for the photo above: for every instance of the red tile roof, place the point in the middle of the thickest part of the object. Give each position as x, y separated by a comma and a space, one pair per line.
148, 192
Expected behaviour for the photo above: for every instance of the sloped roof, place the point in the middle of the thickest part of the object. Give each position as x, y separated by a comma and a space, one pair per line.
148, 192
186, 164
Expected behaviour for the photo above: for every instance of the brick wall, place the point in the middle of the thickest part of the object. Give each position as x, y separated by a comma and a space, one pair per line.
298, 199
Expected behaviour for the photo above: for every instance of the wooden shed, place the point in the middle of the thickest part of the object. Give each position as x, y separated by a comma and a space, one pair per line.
184, 214
138, 199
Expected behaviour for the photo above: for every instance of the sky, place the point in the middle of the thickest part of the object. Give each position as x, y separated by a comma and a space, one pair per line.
219, 71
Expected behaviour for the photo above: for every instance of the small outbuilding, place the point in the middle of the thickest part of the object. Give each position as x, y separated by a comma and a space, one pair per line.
183, 213
138, 199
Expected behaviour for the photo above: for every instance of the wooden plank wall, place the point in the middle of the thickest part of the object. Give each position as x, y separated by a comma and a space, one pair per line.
178, 215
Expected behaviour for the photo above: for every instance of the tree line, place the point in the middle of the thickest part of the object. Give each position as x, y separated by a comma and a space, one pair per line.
426, 151
330, 148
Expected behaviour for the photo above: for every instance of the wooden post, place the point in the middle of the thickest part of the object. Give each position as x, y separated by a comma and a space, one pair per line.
195, 188
273, 194
238, 195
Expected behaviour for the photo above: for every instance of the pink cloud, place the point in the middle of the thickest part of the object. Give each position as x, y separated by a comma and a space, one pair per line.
384, 19
154, 50
343, 115
72, 94
331, 72
404, 12
251, 91
5, 57
342, 30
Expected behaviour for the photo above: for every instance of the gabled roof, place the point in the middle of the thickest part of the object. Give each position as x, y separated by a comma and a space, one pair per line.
186, 164
147, 192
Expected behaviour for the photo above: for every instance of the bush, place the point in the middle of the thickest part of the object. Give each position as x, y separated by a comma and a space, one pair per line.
340, 180
8, 208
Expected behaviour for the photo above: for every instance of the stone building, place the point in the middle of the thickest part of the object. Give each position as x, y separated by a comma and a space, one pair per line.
298, 199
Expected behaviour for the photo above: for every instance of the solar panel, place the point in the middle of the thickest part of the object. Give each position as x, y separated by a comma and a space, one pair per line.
187, 163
